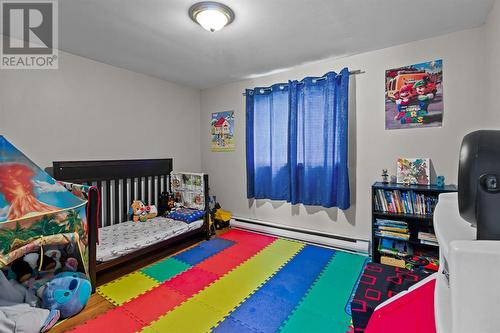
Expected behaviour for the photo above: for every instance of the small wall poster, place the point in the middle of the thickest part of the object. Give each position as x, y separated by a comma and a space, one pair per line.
222, 129
414, 171
414, 96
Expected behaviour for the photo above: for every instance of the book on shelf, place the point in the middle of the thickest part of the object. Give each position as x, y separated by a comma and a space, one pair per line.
427, 236
427, 242
393, 235
392, 229
394, 247
403, 202
385, 222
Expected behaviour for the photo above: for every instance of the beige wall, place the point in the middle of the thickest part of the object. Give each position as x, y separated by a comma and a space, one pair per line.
492, 86
89, 110
371, 146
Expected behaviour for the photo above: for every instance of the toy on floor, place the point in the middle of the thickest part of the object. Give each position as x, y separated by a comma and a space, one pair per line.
141, 212
220, 217
25, 267
68, 292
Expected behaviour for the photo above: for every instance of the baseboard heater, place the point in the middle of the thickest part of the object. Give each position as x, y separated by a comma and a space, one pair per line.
361, 246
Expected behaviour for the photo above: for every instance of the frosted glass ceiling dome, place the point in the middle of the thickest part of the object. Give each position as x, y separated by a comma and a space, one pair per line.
212, 16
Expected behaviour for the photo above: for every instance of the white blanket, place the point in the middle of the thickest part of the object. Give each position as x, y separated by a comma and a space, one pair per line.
123, 238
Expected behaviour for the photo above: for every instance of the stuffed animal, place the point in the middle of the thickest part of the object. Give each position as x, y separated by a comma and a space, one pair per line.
71, 265
25, 267
68, 292
22, 269
55, 263
141, 212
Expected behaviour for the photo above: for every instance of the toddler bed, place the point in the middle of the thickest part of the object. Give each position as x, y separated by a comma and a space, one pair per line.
123, 238
116, 244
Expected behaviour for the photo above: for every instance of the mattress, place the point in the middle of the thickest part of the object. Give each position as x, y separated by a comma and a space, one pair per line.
123, 238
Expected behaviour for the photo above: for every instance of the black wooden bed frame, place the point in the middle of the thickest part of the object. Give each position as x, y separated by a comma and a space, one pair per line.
133, 175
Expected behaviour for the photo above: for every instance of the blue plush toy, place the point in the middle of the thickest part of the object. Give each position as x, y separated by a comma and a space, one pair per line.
67, 292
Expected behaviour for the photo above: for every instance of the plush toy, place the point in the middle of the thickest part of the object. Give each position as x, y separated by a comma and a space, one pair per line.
68, 292
71, 265
141, 212
55, 261
25, 267
22, 269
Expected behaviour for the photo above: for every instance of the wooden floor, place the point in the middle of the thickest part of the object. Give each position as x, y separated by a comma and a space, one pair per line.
97, 305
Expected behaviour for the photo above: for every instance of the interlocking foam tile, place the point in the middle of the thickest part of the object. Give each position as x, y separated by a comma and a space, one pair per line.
231, 325
229, 291
125, 288
327, 298
231, 257
191, 281
270, 305
165, 269
241, 236
194, 321
114, 321
154, 303
201, 252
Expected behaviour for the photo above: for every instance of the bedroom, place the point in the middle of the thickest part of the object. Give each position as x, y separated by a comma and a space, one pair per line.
144, 81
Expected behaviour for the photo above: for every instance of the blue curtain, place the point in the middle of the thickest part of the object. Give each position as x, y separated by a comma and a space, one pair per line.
267, 143
297, 141
318, 141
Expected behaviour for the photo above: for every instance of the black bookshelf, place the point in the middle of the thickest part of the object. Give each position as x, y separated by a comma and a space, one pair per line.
415, 222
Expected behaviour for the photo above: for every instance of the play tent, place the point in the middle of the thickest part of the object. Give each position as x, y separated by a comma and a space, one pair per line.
36, 211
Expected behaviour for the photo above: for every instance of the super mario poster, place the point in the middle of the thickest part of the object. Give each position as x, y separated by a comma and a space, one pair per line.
414, 96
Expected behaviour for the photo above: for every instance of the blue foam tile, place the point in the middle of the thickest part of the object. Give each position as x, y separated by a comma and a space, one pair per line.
298, 276
230, 325
201, 252
271, 304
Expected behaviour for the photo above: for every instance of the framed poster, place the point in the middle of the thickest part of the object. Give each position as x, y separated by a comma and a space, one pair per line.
413, 171
222, 130
414, 96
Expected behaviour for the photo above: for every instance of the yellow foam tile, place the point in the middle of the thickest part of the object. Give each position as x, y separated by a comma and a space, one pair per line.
126, 288
196, 320
228, 292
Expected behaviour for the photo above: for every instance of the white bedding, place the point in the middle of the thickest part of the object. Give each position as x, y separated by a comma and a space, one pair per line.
122, 238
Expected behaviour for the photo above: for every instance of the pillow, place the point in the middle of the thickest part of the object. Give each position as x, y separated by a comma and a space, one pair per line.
186, 215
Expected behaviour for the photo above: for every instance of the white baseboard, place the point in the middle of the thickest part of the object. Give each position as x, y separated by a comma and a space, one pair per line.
345, 243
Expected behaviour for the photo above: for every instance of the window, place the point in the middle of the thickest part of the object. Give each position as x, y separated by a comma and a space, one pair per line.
297, 141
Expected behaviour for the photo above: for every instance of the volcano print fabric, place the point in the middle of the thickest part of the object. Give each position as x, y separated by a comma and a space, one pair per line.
33, 205
26, 190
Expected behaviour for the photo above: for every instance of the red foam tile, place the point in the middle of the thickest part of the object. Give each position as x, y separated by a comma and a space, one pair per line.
192, 281
246, 237
221, 266
154, 303
114, 321
232, 257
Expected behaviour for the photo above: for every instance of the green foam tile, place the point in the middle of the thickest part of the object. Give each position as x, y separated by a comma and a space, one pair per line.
165, 269
328, 297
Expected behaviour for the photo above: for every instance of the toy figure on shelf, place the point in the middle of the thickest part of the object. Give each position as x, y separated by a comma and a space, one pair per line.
141, 212
440, 181
385, 176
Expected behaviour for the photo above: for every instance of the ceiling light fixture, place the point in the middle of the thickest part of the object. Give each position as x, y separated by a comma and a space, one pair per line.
212, 16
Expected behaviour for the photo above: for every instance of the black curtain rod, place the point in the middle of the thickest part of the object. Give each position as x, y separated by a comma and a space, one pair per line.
354, 72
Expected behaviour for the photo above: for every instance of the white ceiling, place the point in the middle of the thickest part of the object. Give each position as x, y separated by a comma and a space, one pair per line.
156, 37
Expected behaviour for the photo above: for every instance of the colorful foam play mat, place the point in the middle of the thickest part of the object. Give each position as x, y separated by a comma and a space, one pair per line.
237, 282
